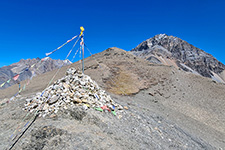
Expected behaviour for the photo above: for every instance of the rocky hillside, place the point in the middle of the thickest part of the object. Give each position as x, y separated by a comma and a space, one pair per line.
170, 50
164, 108
7, 72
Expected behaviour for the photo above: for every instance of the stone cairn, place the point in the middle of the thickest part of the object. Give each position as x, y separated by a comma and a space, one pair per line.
75, 89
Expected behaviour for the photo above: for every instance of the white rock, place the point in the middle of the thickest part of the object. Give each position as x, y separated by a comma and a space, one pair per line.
53, 99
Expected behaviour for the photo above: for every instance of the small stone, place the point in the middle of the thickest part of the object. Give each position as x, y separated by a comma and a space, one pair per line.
66, 86
35, 105
85, 107
56, 87
29, 100
119, 117
53, 99
71, 95
125, 107
151, 94
45, 107
38, 93
52, 116
77, 100
84, 101
120, 107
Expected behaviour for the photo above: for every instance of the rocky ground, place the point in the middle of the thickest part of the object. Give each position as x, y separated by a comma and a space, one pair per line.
167, 109
75, 128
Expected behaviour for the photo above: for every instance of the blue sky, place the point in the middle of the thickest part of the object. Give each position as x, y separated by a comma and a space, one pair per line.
30, 28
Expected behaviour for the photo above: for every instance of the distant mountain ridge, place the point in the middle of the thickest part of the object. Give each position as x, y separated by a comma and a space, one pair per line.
170, 50
7, 72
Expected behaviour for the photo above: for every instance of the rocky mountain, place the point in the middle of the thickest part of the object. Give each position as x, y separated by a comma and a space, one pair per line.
170, 50
163, 108
23, 67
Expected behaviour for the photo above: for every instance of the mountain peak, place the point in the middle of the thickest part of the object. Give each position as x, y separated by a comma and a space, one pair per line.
163, 48
160, 36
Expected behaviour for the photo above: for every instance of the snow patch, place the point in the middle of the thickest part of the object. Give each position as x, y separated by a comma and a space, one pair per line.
67, 61
161, 36
193, 71
217, 78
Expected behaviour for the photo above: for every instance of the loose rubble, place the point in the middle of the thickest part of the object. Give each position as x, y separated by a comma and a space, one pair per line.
75, 89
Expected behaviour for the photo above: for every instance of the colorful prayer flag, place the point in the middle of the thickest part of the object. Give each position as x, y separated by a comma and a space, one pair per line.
8, 80
11, 98
87, 105
33, 65
99, 109
2, 84
47, 54
114, 113
96, 96
16, 77
105, 108
60, 47
28, 81
43, 59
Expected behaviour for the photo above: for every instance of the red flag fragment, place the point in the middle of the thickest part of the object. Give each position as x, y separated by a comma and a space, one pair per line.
16, 77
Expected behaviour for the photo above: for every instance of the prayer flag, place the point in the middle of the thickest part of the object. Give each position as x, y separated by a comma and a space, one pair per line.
74, 37
8, 80
114, 113
96, 96
99, 109
47, 54
43, 59
105, 108
33, 65
2, 84
11, 98
28, 81
87, 105
16, 77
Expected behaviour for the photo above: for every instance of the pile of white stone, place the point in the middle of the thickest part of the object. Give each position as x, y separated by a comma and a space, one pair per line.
75, 89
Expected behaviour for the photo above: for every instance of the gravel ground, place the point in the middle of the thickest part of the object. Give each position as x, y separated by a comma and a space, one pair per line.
138, 128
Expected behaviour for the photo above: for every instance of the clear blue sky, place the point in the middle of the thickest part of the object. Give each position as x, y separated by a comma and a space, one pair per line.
30, 28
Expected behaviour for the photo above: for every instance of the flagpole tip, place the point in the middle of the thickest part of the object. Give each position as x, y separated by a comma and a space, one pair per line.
82, 29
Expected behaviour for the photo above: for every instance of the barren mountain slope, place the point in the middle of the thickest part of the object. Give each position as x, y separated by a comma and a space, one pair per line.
23, 67
170, 50
168, 109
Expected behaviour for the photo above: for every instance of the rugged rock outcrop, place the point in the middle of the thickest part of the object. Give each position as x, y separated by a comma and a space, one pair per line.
7, 72
164, 49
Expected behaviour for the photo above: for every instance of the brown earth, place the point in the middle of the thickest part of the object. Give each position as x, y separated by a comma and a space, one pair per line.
194, 103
